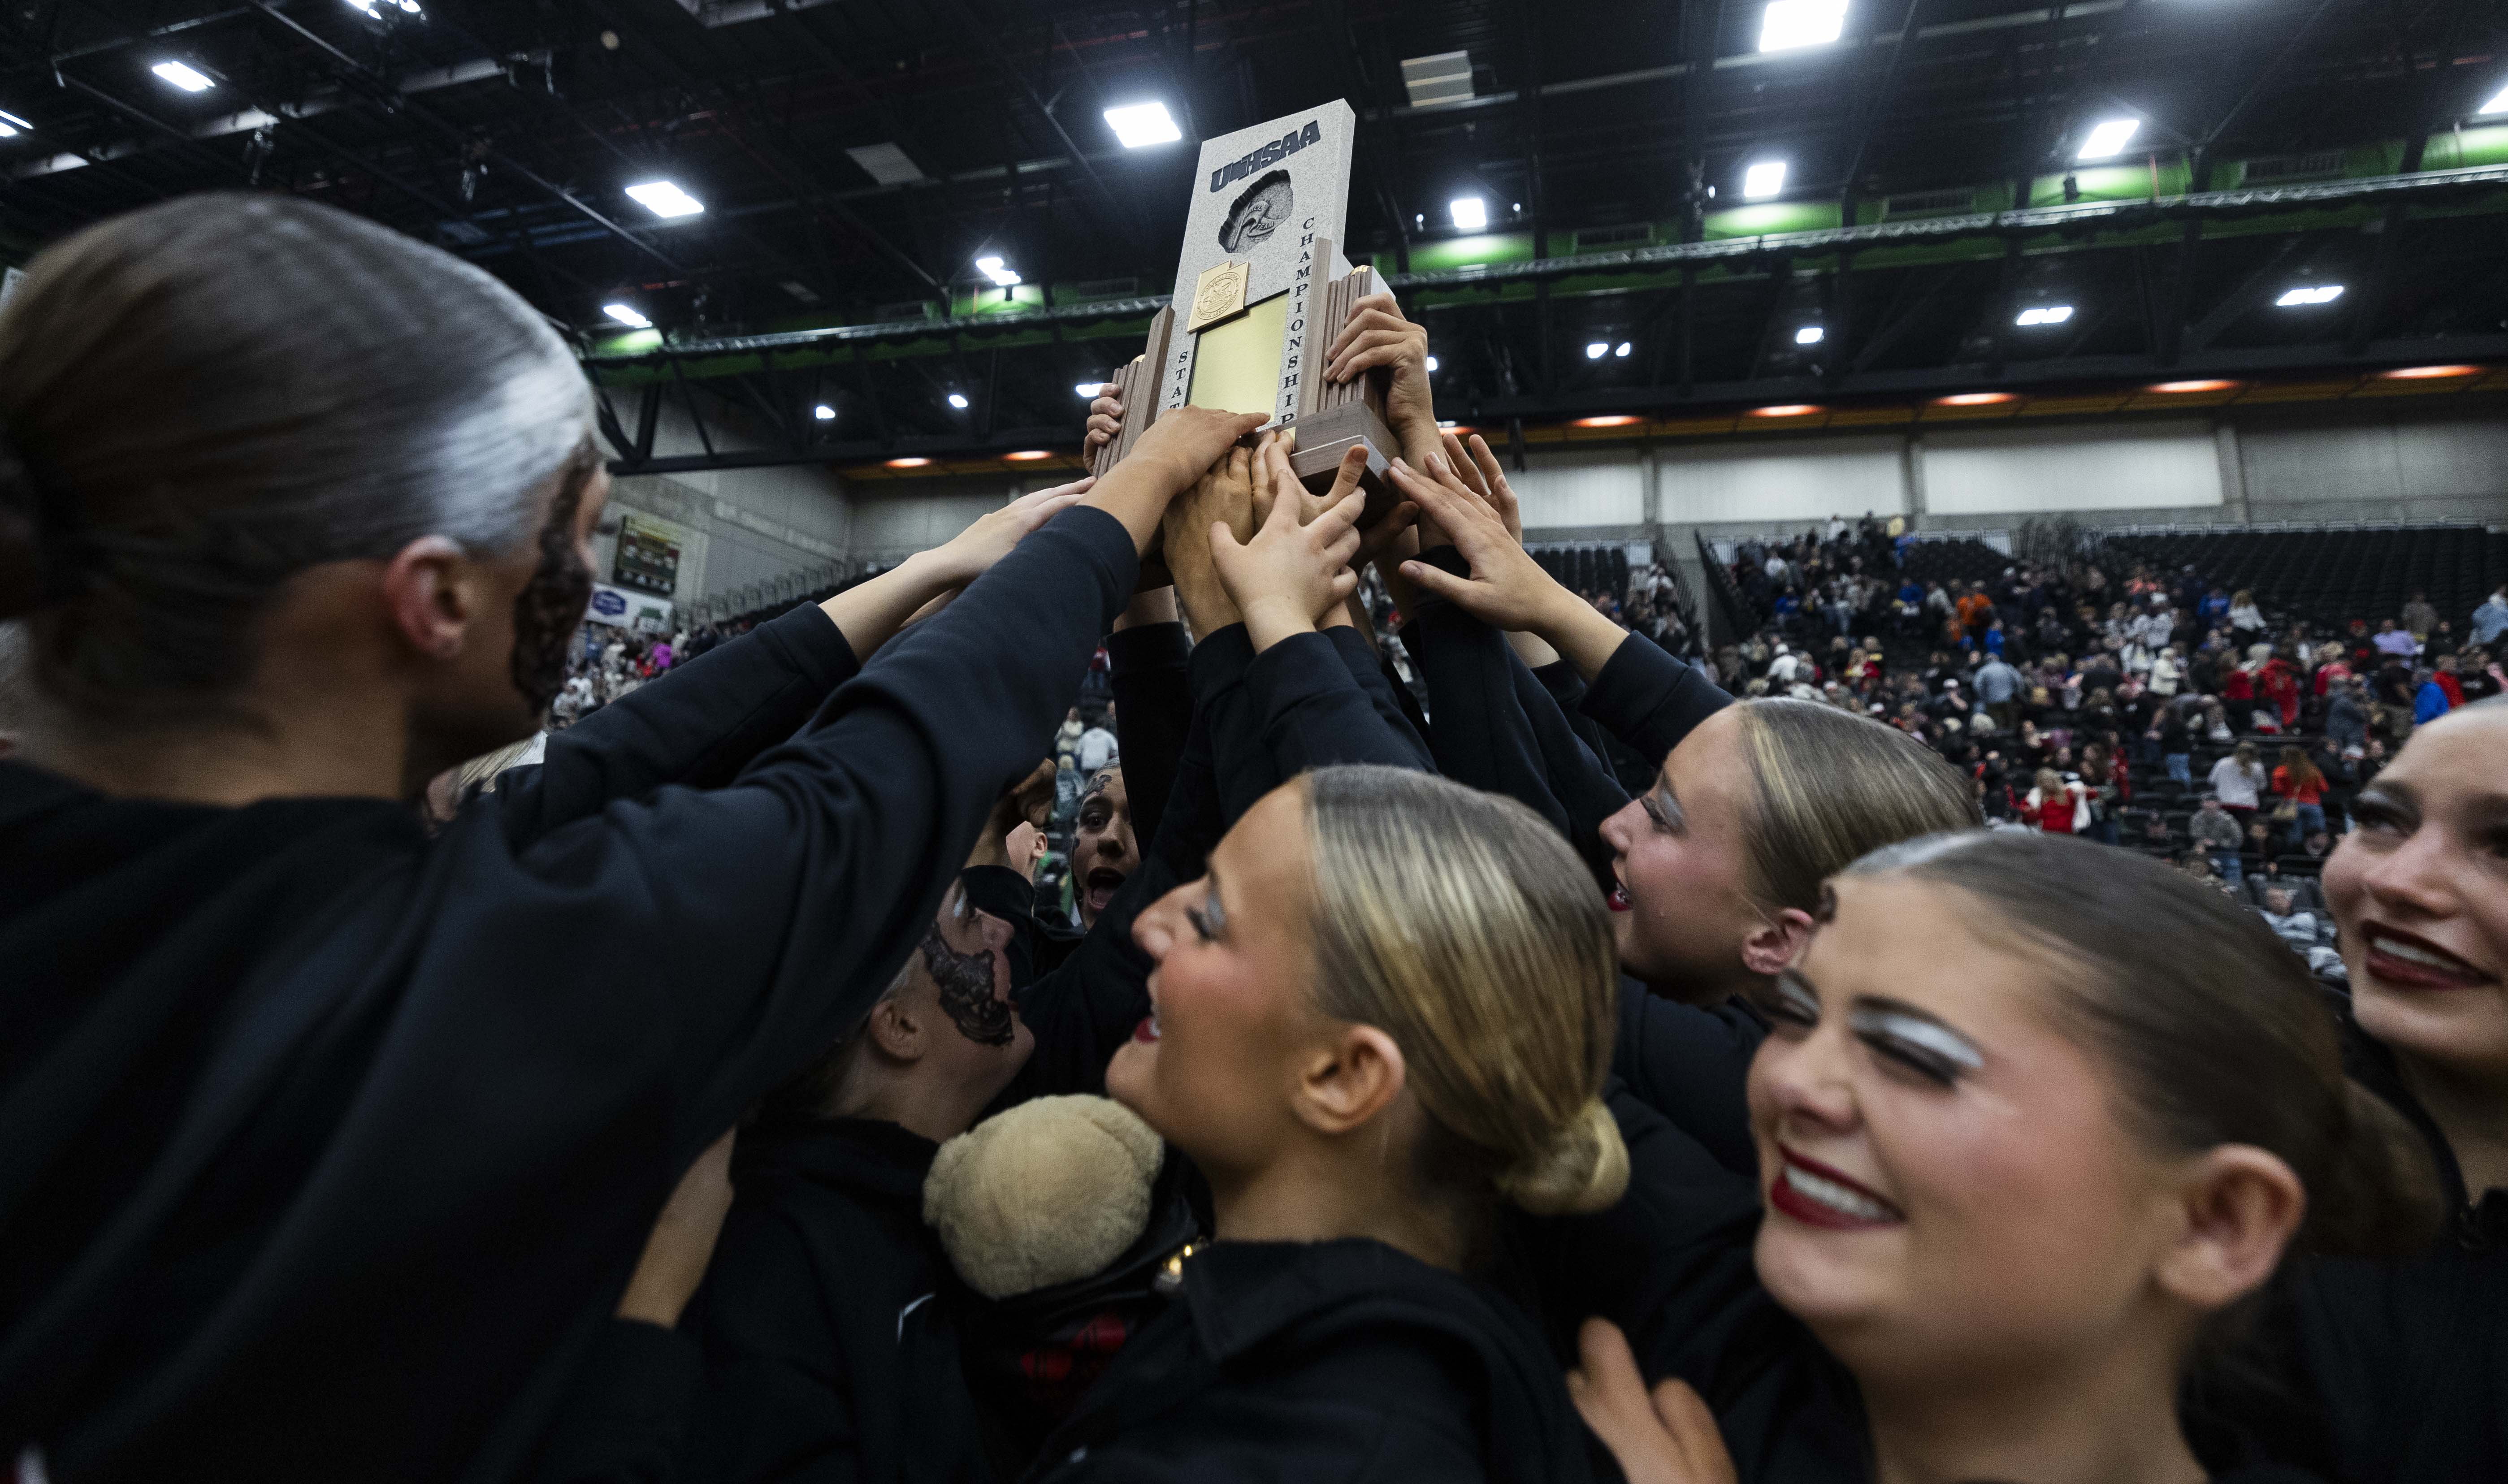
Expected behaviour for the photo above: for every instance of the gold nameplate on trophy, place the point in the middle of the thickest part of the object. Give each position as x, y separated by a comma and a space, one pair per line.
1218, 295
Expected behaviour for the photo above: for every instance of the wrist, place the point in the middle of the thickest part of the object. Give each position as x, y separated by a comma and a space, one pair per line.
930, 574
1270, 620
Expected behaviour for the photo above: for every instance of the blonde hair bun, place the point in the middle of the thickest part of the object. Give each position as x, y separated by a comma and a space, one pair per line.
1585, 1167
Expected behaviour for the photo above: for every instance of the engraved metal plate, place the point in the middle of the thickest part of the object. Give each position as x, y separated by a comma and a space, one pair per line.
1217, 295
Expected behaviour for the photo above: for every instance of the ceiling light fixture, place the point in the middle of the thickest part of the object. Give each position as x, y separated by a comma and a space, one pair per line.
1785, 410
2428, 373
958, 399
1763, 180
910, 462
12, 125
2498, 104
1141, 125
1470, 212
1088, 389
1595, 349
2307, 294
626, 314
1028, 456
1974, 398
824, 413
665, 198
2042, 313
1621, 351
182, 77
1790, 23
2109, 138
1432, 363
1614, 420
1810, 335
990, 266
2173, 389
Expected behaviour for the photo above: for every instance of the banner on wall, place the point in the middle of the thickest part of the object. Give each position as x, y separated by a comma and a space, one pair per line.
622, 608
649, 555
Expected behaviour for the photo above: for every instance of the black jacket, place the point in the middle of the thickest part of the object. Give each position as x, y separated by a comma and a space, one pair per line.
327, 1146
1342, 1360
804, 1316
2401, 1368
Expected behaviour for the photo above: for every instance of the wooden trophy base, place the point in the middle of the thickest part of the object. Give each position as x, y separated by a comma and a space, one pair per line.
1324, 437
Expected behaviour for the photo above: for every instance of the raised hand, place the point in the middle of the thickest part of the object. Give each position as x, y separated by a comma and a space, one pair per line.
971, 552
1224, 494
1669, 1437
1105, 422
1478, 470
1376, 335
1289, 575
1176, 451
1507, 589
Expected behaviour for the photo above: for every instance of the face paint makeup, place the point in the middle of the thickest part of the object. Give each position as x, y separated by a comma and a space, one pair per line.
966, 984
551, 603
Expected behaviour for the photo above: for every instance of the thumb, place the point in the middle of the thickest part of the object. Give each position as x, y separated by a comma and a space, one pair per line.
1437, 582
1223, 539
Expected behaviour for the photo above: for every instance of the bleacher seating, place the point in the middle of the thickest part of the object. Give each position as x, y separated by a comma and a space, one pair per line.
2329, 576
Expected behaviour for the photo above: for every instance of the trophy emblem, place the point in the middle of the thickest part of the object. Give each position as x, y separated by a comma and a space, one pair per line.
1220, 293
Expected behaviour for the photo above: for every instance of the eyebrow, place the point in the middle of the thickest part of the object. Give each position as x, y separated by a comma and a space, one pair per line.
1920, 1026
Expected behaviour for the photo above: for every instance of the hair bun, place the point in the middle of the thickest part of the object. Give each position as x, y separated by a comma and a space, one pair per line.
1585, 1167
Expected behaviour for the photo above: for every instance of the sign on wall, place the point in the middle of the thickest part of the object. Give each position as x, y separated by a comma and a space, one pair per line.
622, 608
649, 555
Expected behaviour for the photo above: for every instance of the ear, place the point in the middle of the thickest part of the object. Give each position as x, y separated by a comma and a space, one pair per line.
896, 1032
1349, 1081
1776, 943
2240, 1206
430, 594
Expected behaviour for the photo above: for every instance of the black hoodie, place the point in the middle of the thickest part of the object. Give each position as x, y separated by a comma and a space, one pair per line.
328, 1148
1345, 1360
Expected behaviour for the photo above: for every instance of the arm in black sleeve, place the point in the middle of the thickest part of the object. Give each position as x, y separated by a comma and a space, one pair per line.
732, 933
1580, 779
1153, 711
1312, 712
623, 1420
1650, 700
1384, 691
1222, 710
1568, 691
999, 891
1693, 1067
1482, 737
696, 725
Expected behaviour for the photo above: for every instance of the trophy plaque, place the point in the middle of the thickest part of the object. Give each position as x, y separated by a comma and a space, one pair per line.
1261, 292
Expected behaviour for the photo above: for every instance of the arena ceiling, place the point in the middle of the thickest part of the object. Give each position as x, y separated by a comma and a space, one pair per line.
856, 158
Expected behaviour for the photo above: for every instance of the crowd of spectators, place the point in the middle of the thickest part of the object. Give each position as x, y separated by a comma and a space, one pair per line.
2159, 710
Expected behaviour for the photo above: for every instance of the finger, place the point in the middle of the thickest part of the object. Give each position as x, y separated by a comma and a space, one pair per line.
1106, 407
1343, 584
1437, 581
1373, 312
1348, 473
1684, 1415
1376, 330
1492, 473
1341, 516
1222, 538
1465, 469
1390, 352
1341, 550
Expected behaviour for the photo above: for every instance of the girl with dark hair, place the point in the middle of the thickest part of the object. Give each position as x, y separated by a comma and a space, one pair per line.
2409, 1361
2028, 1154
324, 1140
2302, 787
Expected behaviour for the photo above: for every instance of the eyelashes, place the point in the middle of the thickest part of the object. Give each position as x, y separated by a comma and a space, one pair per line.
1933, 1049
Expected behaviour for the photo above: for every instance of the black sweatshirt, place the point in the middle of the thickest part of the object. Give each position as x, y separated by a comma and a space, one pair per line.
1342, 1360
814, 1368
2401, 1368
326, 1143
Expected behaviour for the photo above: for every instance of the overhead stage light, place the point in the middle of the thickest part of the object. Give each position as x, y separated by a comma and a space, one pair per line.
665, 198
2042, 313
1595, 349
1789, 23
1763, 179
1470, 212
626, 314
958, 399
990, 266
2301, 297
1810, 335
182, 77
824, 413
1141, 125
2109, 138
